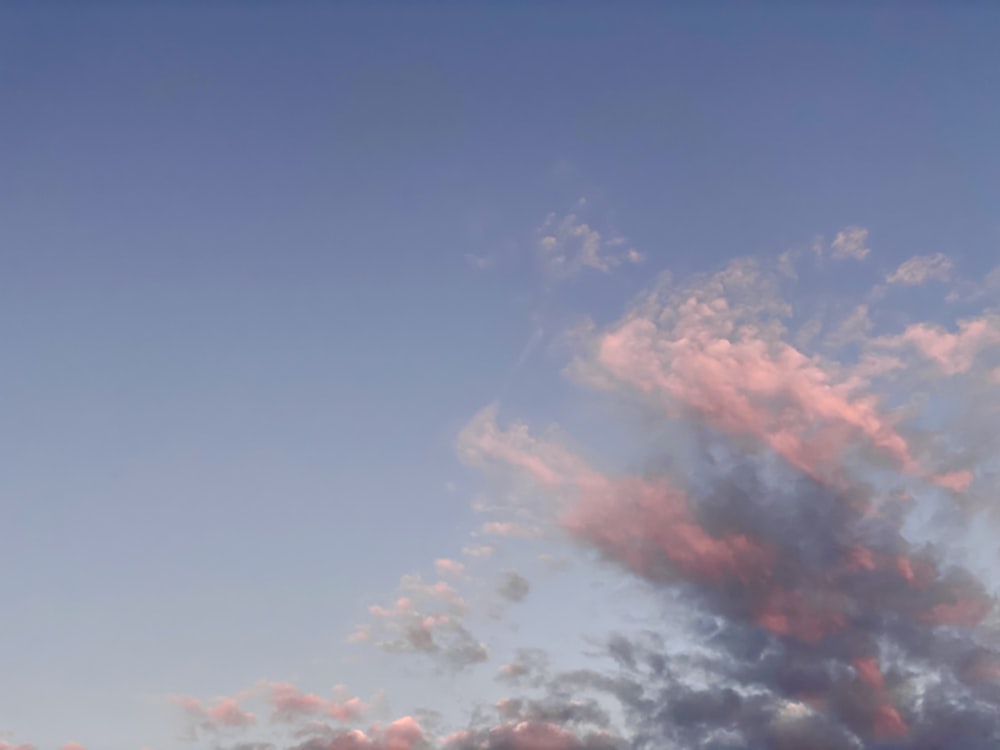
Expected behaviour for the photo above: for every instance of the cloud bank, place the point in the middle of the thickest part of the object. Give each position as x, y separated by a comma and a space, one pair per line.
808, 523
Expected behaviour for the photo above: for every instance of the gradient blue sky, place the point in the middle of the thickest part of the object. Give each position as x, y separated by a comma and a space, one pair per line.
243, 320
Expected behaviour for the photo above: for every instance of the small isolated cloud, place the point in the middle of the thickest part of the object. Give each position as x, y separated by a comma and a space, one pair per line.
568, 245
224, 713
8, 746
515, 587
480, 262
73, 746
426, 618
289, 704
850, 242
479, 552
510, 530
446, 567
921, 269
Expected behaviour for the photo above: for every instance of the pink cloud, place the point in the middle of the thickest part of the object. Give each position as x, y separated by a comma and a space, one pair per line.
8, 746
752, 387
546, 462
953, 353
73, 746
513, 670
887, 722
289, 703
801, 616
643, 524
513, 530
447, 567
225, 713
352, 709
957, 481
401, 734
403, 605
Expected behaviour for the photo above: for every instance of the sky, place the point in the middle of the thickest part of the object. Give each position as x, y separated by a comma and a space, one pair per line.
499, 376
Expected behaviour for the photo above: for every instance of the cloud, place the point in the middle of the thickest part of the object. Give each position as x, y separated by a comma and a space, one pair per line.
774, 527
223, 713
428, 619
402, 734
529, 736
510, 530
850, 242
701, 352
952, 353
515, 587
480, 262
922, 269
446, 567
479, 552
854, 328
568, 245
289, 704
825, 622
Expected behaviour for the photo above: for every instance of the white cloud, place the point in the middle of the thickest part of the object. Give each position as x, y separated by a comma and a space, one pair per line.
921, 269
850, 242
568, 244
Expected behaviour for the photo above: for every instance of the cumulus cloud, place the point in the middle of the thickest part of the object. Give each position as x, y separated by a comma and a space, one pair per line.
850, 242
727, 362
289, 704
568, 245
824, 625
776, 526
425, 618
921, 269
402, 734
952, 353
446, 567
223, 713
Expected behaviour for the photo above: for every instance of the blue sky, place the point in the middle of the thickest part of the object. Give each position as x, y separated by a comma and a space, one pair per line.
263, 264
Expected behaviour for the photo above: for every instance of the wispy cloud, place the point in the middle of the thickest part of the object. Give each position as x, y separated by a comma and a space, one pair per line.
480, 262
568, 245
922, 269
850, 242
